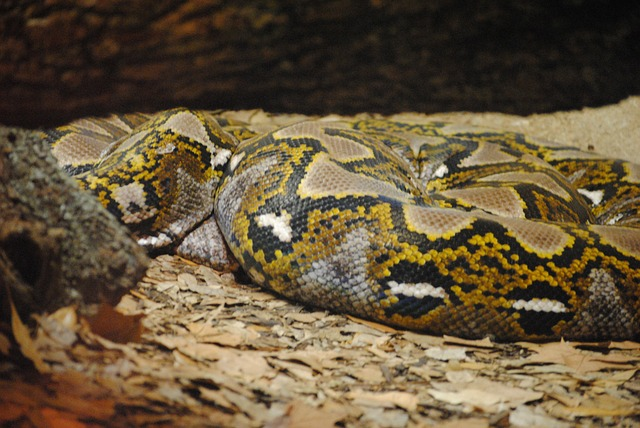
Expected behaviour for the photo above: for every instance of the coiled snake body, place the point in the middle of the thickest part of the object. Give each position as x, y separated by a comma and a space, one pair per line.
436, 227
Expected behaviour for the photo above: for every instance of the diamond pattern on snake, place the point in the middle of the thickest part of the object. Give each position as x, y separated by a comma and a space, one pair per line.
431, 226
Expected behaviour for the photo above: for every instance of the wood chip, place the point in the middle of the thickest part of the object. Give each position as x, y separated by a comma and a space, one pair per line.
215, 352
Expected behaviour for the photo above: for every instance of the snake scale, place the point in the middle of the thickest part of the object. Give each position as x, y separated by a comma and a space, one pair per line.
436, 227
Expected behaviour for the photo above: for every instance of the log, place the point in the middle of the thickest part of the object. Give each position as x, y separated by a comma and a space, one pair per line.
62, 59
58, 245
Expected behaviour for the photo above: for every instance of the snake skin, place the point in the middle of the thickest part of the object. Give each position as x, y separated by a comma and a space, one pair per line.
436, 227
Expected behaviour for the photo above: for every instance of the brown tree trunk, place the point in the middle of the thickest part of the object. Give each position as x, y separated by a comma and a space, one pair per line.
62, 59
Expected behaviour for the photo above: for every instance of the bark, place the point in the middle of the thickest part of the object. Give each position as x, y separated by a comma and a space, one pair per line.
62, 59
58, 245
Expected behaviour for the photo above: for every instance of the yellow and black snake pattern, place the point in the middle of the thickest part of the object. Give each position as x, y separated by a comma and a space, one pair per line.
437, 227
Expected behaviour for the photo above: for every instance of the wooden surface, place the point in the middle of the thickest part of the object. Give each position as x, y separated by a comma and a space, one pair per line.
58, 245
60, 60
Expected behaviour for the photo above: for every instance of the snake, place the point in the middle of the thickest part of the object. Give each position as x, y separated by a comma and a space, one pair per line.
436, 227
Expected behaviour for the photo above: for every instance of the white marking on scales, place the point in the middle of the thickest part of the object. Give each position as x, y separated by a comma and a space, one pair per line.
279, 223
235, 160
540, 305
595, 196
221, 158
441, 171
418, 290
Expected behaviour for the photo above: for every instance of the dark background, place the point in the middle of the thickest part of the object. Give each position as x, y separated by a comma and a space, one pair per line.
60, 60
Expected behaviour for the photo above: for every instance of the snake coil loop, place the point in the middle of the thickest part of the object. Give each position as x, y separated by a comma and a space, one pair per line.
432, 226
